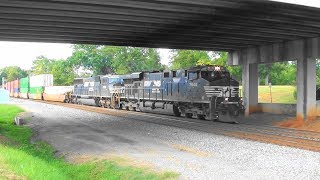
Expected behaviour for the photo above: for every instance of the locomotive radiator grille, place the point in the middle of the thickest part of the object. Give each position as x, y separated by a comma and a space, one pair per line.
117, 90
234, 91
221, 91
213, 91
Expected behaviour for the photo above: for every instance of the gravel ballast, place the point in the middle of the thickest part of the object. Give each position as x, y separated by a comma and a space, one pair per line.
193, 154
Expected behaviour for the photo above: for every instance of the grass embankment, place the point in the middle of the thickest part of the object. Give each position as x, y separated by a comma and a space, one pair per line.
280, 94
19, 158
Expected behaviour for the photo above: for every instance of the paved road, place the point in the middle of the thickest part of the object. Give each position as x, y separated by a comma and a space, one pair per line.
193, 154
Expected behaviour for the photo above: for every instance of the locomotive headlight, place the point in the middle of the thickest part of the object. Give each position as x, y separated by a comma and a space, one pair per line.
226, 99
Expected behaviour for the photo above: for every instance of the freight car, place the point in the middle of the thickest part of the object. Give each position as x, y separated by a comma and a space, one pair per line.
205, 92
38, 87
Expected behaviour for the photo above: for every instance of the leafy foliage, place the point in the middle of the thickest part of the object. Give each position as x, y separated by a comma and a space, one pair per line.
11, 73
281, 73
129, 59
235, 71
62, 70
91, 57
113, 59
183, 59
318, 73
41, 65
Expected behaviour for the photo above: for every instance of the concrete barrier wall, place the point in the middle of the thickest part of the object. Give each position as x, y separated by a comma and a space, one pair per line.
278, 108
282, 108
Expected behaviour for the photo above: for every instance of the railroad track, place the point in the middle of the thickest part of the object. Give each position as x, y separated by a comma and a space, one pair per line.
268, 134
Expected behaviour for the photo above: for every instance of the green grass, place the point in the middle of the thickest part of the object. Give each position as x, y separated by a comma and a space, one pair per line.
37, 160
280, 94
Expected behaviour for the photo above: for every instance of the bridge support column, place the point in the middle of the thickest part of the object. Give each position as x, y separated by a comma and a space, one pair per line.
306, 89
250, 76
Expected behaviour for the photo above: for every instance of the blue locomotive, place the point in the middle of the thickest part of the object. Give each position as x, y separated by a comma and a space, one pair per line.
205, 92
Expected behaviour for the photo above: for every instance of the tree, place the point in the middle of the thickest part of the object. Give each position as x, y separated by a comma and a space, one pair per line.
129, 59
41, 65
62, 70
11, 73
113, 59
235, 71
183, 59
263, 74
91, 57
318, 73
283, 73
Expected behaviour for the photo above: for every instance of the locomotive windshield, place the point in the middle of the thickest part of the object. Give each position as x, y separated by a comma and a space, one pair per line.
214, 75
115, 80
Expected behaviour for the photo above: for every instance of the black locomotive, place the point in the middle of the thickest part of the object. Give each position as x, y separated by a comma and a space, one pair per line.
205, 92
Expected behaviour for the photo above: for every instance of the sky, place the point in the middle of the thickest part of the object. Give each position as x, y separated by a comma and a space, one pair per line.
22, 53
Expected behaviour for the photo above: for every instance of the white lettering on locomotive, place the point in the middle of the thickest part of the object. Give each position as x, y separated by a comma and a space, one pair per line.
194, 84
147, 83
156, 83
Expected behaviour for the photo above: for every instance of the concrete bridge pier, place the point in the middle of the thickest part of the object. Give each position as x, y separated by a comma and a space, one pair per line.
306, 89
304, 51
250, 76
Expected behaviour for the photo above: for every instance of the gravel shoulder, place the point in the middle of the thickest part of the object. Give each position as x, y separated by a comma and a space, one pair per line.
79, 134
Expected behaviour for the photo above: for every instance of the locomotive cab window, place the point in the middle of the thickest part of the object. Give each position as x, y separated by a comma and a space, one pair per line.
214, 75
193, 75
104, 80
166, 74
174, 73
78, 81
115, 80
97, 79
206, 75
220, 75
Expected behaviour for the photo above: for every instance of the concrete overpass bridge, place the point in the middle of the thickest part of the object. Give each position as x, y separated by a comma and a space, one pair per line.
251, 31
